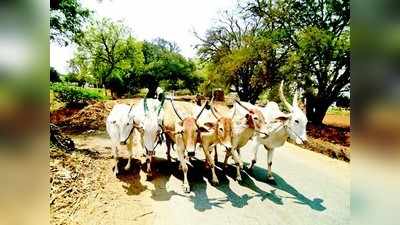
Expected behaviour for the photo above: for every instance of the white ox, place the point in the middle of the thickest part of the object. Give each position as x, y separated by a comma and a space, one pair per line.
149, 114
120, 124
280, 127
146, 118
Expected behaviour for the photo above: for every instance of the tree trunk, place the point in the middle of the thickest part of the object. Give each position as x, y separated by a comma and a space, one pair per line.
316, 109
152, 91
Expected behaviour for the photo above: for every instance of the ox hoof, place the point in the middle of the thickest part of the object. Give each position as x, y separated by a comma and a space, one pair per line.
239, 179
250, 167
127, 167
186, 188
115, 172
215, 182
271, 180
149, 177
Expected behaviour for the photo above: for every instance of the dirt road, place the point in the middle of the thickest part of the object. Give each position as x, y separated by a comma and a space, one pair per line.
310, 189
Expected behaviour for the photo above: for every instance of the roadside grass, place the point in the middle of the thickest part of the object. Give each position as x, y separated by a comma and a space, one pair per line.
338, 111
337, 117
54, 103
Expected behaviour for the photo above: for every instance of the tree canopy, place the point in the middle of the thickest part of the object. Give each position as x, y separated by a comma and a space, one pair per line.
66, 20
108, 55
306, 42
249, 50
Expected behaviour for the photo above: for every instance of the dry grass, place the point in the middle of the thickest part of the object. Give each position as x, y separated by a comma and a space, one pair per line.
72, 178
54, 103
337, 120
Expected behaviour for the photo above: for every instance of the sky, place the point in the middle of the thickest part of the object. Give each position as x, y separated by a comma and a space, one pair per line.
173, 20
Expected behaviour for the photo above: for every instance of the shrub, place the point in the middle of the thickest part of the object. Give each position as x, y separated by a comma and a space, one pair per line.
54, 76
343, 101
73, 95
182, 92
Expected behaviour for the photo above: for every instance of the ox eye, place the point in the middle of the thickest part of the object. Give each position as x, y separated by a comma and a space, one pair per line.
221, 129
127, 124
297, 121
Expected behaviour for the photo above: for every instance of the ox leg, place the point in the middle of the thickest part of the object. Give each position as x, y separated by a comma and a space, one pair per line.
215, 155
209, 158
227, 155
254, 160
130, 150
115, 155
168, 143
238, 163
136, 143
269, 160
183, 165
149, 159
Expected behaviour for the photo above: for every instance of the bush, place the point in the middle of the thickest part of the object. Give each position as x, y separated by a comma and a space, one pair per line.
72, 95
183, 92
54, 76
343, 101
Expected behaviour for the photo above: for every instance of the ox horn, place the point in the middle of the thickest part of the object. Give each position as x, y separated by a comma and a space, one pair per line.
234, 111
244, 107
212, 108
283, 99
130, 109
176, 111
295, 98
202, 109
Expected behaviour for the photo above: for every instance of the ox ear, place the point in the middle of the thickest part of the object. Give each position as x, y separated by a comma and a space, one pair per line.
249, 120
210, 125
283, 118
202, 129
294, 104
180, 123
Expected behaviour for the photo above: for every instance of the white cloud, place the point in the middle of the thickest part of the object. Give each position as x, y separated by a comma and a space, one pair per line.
173, 20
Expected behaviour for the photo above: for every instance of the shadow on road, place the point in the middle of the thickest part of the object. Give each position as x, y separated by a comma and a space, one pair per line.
163, 170
260, 174
248, 182
201, 200
130, 177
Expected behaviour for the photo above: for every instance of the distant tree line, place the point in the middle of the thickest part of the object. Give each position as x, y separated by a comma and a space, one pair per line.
248, 51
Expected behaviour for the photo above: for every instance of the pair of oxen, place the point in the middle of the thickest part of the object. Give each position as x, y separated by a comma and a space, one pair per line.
156, 121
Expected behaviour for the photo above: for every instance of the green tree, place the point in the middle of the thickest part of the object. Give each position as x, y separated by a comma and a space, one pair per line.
317, 39
54, 76
163, 64
108, 52
242, 55
66, 20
